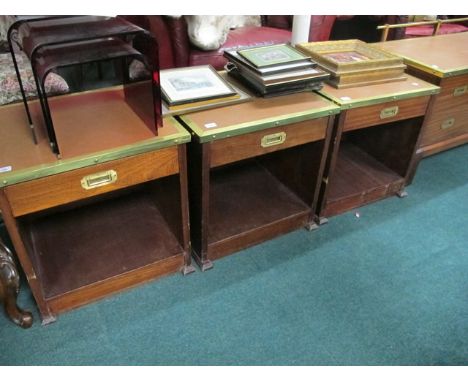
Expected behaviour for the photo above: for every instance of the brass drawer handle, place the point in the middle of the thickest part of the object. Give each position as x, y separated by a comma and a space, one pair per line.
460, 90
273, 139
389, 112
99, 179
447, 123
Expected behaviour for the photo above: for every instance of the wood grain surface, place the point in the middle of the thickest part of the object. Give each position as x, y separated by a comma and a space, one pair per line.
447, 52
249, 145
370, 115
66, 187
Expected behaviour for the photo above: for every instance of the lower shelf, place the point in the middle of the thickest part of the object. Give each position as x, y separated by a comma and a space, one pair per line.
249, 205
358, 179
86, 245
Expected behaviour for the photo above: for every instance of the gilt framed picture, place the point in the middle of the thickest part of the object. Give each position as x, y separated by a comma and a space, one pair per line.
192, 84
354, 62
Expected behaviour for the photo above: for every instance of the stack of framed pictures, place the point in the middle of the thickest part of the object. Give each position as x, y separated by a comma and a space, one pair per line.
354, 63
195, 88
275, 70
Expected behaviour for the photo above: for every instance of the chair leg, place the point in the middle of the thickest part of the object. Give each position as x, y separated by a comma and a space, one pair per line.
9, 288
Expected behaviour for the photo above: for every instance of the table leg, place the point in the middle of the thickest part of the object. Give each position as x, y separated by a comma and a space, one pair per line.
9, 288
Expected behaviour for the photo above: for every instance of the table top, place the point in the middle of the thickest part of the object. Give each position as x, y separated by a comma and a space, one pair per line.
91, 127
258, 114
359, 96
443, 55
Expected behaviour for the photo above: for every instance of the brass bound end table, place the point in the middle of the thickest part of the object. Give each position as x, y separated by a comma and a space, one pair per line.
111, 214
255, 170
375, 138
441, 60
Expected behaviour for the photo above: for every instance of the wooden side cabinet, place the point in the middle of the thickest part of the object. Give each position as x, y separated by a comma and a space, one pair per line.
255, 171
443, 61
111, 214
375, 138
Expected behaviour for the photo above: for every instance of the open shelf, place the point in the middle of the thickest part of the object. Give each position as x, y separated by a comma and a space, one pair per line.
358, 176
245, 197
82, 52
357, 172
86, 245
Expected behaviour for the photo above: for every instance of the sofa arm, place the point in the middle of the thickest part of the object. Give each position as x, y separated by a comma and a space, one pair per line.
180, 41
320, 27
277, 21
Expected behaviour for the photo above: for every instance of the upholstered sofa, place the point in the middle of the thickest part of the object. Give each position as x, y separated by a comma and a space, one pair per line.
176, 49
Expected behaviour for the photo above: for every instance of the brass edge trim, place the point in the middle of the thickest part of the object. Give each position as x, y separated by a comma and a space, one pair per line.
186, 120
441, 73
415, 63
425, 67
249, 127
456, 71
379, 99
63, 165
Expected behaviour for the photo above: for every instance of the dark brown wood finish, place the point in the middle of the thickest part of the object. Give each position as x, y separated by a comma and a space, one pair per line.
199, 187
246, 198
26, 264
242, 194
87, 294
441, 134
75, 245
447, 125
330, 166
359, 179
300, 167
358, 119
43, 193
247, 145
88, 252
417, 157
169, 202
372, 158
9, 288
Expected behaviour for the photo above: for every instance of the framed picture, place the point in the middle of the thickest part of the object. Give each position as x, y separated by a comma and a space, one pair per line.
349, 55
271, 55
192, 84
342, 57
355, 63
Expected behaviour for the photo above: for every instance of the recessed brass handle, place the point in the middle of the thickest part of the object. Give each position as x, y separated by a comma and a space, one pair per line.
389, 112
273, 139
447, 123
460, 90
99, 179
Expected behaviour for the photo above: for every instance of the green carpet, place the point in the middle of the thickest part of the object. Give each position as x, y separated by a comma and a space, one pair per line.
388, 288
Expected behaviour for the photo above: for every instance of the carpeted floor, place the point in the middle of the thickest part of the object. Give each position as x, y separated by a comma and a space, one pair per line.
388, 288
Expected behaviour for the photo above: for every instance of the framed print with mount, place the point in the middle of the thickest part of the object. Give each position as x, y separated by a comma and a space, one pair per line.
186, 86
271, 55
355, 63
